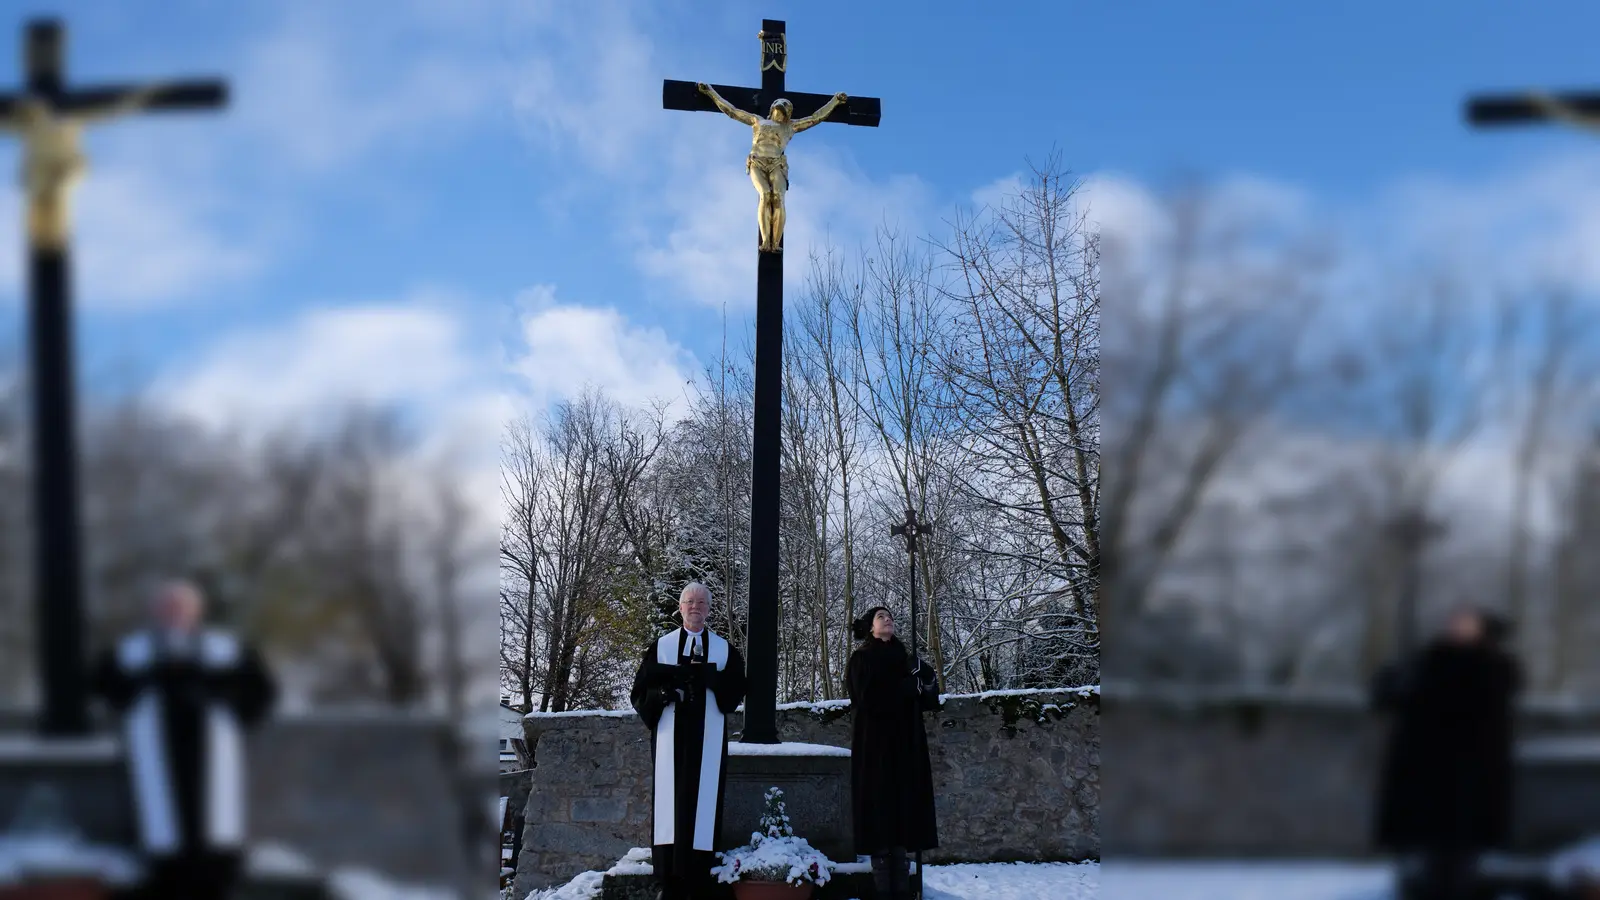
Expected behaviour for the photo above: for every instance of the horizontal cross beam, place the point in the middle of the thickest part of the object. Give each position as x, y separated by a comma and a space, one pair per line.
684, 95
176, 96
1520, 109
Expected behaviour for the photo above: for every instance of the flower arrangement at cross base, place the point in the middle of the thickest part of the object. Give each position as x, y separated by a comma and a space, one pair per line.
775, 865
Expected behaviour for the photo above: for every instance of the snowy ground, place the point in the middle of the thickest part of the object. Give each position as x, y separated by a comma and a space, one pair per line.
989, 881
1246, 881
1013, 881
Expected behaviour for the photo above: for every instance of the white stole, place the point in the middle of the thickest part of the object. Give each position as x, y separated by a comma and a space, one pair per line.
705, 815
150, 763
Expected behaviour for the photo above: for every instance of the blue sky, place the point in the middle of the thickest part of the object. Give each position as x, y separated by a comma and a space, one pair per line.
406, 196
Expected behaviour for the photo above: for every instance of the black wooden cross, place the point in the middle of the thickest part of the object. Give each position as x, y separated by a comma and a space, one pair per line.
1502, 110
761, 717
57, 572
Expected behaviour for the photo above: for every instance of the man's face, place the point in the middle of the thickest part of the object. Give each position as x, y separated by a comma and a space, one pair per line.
178, 607
779, 113
694, 606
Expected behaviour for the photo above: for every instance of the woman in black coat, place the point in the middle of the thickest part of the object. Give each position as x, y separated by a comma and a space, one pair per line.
891, 779
1445, 795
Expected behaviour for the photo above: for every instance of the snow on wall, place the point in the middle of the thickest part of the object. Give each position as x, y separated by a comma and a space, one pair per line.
820, 706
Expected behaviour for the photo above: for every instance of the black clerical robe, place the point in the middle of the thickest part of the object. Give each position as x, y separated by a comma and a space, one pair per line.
184, 702
684, 700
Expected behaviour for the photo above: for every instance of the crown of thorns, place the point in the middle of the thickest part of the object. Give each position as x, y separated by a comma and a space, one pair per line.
783, 103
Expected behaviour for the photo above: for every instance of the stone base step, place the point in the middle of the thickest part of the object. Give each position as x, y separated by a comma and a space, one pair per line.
845, 886
268, 887
260, 887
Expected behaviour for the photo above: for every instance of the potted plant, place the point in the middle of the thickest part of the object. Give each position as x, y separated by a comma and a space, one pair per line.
44, 857
775, 865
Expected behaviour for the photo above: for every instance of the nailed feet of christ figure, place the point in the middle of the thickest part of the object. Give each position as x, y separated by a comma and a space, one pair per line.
767, 164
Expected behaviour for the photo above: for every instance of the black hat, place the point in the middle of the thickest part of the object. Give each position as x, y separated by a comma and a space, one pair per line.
863, 625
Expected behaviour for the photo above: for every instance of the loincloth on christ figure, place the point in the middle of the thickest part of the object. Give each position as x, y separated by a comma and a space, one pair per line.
776, 168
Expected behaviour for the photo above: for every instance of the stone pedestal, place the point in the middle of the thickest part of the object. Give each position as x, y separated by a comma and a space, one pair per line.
86, 774
816, 792
1557, 799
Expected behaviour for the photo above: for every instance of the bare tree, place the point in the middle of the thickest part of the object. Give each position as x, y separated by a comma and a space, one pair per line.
831, 292
1207, 336
1022, 362
894, 327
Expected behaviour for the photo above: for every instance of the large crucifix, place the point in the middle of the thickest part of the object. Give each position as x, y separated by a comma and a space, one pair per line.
48, 119
775, 115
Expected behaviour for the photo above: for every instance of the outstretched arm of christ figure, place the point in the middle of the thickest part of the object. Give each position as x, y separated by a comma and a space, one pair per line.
821, 115
728, 108
127, 103
1564, 112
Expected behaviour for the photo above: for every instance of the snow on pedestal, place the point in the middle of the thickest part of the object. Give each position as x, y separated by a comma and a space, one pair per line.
787, 748
30, 858
1577, 866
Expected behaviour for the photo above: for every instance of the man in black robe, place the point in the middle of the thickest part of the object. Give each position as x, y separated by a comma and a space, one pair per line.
688, 681
1446, 789
184, 695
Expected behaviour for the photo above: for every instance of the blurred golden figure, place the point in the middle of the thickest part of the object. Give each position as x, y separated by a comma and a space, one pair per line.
53, 161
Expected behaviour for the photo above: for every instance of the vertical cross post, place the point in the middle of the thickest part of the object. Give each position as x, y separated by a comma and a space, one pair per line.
761, 718
48, 117
57, 566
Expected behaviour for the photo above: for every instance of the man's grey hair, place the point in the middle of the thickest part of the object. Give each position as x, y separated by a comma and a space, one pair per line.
695, 587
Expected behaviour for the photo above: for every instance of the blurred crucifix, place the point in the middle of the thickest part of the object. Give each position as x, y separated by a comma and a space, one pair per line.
48, 119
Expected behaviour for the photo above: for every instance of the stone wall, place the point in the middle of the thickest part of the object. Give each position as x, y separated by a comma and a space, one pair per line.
367, 789
372, 790
1249, 773
1016, 776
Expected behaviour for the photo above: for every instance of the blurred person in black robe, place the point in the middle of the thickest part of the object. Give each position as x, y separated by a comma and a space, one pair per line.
891, 778
185, 695
1445, 794
687, 683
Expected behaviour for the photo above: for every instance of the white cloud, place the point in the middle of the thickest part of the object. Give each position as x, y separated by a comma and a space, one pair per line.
321, 87
1124, 208
411, 352
564, 348
145, 237
146, 242
1538, 222
995, 193
417, 355
585, 80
